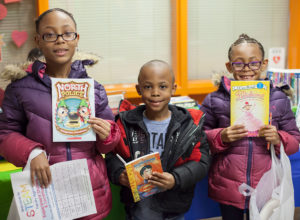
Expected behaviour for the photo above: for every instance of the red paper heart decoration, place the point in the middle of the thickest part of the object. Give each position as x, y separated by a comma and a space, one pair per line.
276, 59
3, 11
11, 1
19, 37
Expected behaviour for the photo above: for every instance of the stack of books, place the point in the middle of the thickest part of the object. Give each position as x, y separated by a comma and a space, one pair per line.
290, 77
185, 102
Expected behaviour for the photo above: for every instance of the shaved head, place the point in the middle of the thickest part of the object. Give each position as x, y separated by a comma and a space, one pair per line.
155, 64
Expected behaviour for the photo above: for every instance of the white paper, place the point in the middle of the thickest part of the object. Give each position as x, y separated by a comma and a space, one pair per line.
276, 57
69, 195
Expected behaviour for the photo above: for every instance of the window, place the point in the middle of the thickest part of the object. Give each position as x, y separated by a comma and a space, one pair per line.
214, 25
125, 33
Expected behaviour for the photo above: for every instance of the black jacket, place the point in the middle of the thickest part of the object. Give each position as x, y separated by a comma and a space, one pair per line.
185, 156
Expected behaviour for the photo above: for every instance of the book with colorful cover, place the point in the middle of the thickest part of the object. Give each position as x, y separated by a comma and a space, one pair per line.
138, 170
73, 103
249, 104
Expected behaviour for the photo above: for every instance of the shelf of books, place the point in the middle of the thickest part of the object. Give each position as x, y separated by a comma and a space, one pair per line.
290, 77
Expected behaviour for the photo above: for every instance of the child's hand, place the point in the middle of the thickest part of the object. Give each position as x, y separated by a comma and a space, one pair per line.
233, 133
270, 133
39, 166
101, 127
123, 179
163, 180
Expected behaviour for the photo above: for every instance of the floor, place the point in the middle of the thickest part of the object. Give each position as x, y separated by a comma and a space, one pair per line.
296, 216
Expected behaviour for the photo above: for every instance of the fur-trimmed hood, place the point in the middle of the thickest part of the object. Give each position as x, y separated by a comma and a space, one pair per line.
15, 72
217, 79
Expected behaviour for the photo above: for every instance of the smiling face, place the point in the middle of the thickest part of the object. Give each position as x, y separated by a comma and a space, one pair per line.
62, 112
59, 52
156, 86
246, 53
147, 173
83, 111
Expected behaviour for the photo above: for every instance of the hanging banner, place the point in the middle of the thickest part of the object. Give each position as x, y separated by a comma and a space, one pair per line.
11, 1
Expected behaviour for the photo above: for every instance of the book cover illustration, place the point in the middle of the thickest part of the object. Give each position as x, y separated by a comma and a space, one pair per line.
138, 172
73, 103
249, 105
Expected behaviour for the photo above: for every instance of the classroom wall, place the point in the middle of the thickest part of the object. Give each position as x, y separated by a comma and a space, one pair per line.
20, 17
193, 35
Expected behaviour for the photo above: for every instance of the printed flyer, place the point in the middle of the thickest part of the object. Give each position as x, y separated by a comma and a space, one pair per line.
249, 104
73, 103
69, 196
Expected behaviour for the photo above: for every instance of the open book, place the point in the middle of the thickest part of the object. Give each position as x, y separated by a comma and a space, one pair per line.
249, 104
138, 171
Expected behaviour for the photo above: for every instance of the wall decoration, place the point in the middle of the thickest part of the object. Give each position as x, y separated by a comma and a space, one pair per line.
3, 11
11, 1
1, 44
19, 37
277, 58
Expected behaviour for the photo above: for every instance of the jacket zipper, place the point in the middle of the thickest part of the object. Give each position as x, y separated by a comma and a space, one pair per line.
190, 134
249, 164
69, 155
168, 149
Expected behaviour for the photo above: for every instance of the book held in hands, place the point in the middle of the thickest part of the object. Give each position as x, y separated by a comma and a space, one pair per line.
249, 105
138, 171
73, 103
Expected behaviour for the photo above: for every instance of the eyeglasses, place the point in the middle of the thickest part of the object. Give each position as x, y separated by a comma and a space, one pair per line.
69, 36
239, 66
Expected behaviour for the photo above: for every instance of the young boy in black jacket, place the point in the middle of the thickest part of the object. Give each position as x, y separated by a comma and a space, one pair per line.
174, 132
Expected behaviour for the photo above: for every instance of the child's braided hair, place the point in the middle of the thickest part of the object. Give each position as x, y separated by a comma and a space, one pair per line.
244, 38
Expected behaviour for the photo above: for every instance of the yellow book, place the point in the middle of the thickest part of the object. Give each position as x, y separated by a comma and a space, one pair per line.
249, 104
138, 171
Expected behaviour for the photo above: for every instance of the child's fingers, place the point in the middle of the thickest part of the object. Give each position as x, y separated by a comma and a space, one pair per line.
157, 180
123, 179
158, 183
103, 133
270, 134
163, 180
237, 130
32, 174
45, 178
233, 133
39, 177
237, 127
49, 176
267, 128
157, 175
237, 136
100, 122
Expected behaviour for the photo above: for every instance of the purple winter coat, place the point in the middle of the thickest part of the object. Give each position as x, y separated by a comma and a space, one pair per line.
26, 123
245, 160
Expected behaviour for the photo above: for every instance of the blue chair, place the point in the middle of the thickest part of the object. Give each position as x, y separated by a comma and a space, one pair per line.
202, 206
295, 164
